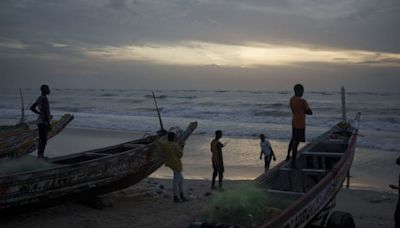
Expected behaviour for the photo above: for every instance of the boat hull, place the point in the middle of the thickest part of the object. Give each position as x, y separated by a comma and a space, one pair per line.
313, 201
84, 175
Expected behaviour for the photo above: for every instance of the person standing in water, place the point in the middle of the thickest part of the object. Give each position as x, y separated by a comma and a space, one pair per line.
43, 121
267, 151
300, 108
217, 160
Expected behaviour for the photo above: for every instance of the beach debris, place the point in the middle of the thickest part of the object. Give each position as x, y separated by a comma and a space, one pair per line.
167, 196
96, 203
208, 194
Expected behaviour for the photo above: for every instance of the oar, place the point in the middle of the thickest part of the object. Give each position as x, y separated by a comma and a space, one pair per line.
158, 112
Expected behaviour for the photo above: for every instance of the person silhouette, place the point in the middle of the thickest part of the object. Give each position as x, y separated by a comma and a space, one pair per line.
43, 121
299, 108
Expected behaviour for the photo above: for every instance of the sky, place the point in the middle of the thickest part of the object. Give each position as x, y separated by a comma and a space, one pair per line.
201, 44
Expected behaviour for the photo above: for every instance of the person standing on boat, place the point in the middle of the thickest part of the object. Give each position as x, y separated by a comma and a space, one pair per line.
300, 108
43, 121
217, 160
173, 153
397, 212
267, 151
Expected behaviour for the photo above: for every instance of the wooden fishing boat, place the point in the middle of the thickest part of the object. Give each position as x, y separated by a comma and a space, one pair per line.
22, 139
84, 175
304, 195
310, 189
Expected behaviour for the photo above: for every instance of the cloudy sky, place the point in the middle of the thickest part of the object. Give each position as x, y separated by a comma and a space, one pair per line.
201, 44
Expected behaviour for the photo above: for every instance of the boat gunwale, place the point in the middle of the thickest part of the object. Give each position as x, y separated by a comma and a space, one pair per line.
63, 166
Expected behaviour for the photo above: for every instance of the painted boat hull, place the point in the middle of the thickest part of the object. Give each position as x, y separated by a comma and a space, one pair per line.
84, 175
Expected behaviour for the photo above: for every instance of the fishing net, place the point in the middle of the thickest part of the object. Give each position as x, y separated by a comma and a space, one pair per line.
23, 164
247, 205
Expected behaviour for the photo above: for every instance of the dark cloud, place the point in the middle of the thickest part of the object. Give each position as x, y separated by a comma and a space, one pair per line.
54, 33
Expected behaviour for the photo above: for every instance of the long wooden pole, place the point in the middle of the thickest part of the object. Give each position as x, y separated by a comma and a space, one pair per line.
344, 118
158, 112
21, 121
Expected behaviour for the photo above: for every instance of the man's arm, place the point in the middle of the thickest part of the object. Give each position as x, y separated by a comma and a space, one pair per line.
273, 154
47, 112
33, 108
393, 186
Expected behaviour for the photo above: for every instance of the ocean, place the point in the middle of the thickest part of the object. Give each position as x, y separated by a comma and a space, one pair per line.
238, 113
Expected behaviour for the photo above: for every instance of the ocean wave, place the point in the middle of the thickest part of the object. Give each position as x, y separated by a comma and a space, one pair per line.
157, 96
108, 95
323, 93
271, 113
131, 101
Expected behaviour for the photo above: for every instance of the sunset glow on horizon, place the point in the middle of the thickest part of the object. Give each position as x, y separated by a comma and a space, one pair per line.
246, 55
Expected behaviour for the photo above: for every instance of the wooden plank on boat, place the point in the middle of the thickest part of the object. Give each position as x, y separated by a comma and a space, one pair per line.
131, 145
305, 170
322, 154
323, 171
285, 192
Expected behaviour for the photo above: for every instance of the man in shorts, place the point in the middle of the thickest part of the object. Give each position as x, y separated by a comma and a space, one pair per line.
300, 108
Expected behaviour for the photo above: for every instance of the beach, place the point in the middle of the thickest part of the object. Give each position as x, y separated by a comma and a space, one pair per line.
149, 203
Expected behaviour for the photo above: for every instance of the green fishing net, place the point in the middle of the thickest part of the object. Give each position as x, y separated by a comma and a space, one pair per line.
246, 205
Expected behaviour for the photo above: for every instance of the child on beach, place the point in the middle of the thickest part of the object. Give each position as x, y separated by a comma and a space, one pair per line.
267, 151
43, 121
173, 153
217, 160
300, 108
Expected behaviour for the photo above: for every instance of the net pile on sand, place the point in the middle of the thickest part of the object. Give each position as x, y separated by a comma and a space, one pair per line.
246, 205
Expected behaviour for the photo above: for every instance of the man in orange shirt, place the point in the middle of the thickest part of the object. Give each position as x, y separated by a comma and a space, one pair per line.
300, 108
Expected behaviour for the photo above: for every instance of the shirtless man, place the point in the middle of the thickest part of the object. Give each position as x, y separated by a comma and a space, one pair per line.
300, 108
43, 121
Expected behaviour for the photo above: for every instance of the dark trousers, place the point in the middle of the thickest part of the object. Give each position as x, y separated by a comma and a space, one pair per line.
294, 143
267, 162
43, 129
218, 170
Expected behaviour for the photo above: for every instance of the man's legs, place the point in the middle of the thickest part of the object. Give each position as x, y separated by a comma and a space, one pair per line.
294, 153
175, 186
42, 139
267, 161
220, 177
214, 175
289, 149
180, 186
